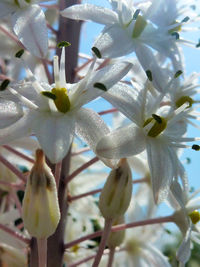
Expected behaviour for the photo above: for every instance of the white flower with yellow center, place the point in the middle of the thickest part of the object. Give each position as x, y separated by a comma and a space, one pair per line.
29, 24
155, 129
129, 28
51, 111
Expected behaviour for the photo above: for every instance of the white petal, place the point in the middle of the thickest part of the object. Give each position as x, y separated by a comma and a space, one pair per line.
161, 167
126, 99
155, 257
9, 113
90, 127
54, 133
108, 76
30, 27
17, 130
90, 12
184, 251
6, 9
121, 143
114, 42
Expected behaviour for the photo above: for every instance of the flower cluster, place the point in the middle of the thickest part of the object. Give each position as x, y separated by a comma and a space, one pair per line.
94, 211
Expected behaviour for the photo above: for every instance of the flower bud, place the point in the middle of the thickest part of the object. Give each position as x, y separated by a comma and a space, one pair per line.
40, 209
116, 238
116, 193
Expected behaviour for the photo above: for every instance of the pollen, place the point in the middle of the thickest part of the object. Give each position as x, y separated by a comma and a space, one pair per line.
158, 127
62, 101
184, 99
195, 216
139, 26
175, 29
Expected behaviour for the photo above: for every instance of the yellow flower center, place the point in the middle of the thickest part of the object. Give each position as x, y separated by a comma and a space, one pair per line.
61, 100
195, 216
184, 99
158, 127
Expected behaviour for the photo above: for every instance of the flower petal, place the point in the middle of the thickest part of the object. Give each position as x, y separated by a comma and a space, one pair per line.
54, 133
90, 12
30, 26
184, 251
17, 130
161, 167
9, 113
121, 143
91, 128
114, 41
126, 99
108, 76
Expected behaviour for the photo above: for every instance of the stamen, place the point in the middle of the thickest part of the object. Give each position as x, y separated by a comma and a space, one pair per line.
25, 100
158, 126
195, 216
4, 84
96, 52
183, 100
62, 69
56, 71
139, 26
196, 147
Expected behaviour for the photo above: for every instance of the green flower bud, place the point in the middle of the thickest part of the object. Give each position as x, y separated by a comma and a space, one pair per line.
116, 194
40, 209
116, 238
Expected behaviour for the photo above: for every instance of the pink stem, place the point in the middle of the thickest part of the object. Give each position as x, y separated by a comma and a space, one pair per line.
80, 151
83, 65
107, 111
14, 234
12, 168
13, 185
104, 238
42, 252
11, 36
18, 153
82, 168
111, 257
121, 227
85, 259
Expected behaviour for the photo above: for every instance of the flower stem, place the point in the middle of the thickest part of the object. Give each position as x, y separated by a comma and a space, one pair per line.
12, 168
111, 257
82, 168
104, 238
42, 252
121, 227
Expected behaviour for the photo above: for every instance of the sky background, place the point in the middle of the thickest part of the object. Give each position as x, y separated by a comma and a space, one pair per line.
192, 58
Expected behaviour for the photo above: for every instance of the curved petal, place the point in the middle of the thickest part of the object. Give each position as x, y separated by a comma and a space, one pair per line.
54, 133
161, 167
30, 26
10, 112
121, 143
90, 127
21, 128
114, 41
184, 251
108, 76
127, 100
90, 12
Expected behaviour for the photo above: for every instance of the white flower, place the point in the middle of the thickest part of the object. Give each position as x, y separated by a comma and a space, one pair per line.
51, 111
130, 27
186, 216
155, 129
29, 24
